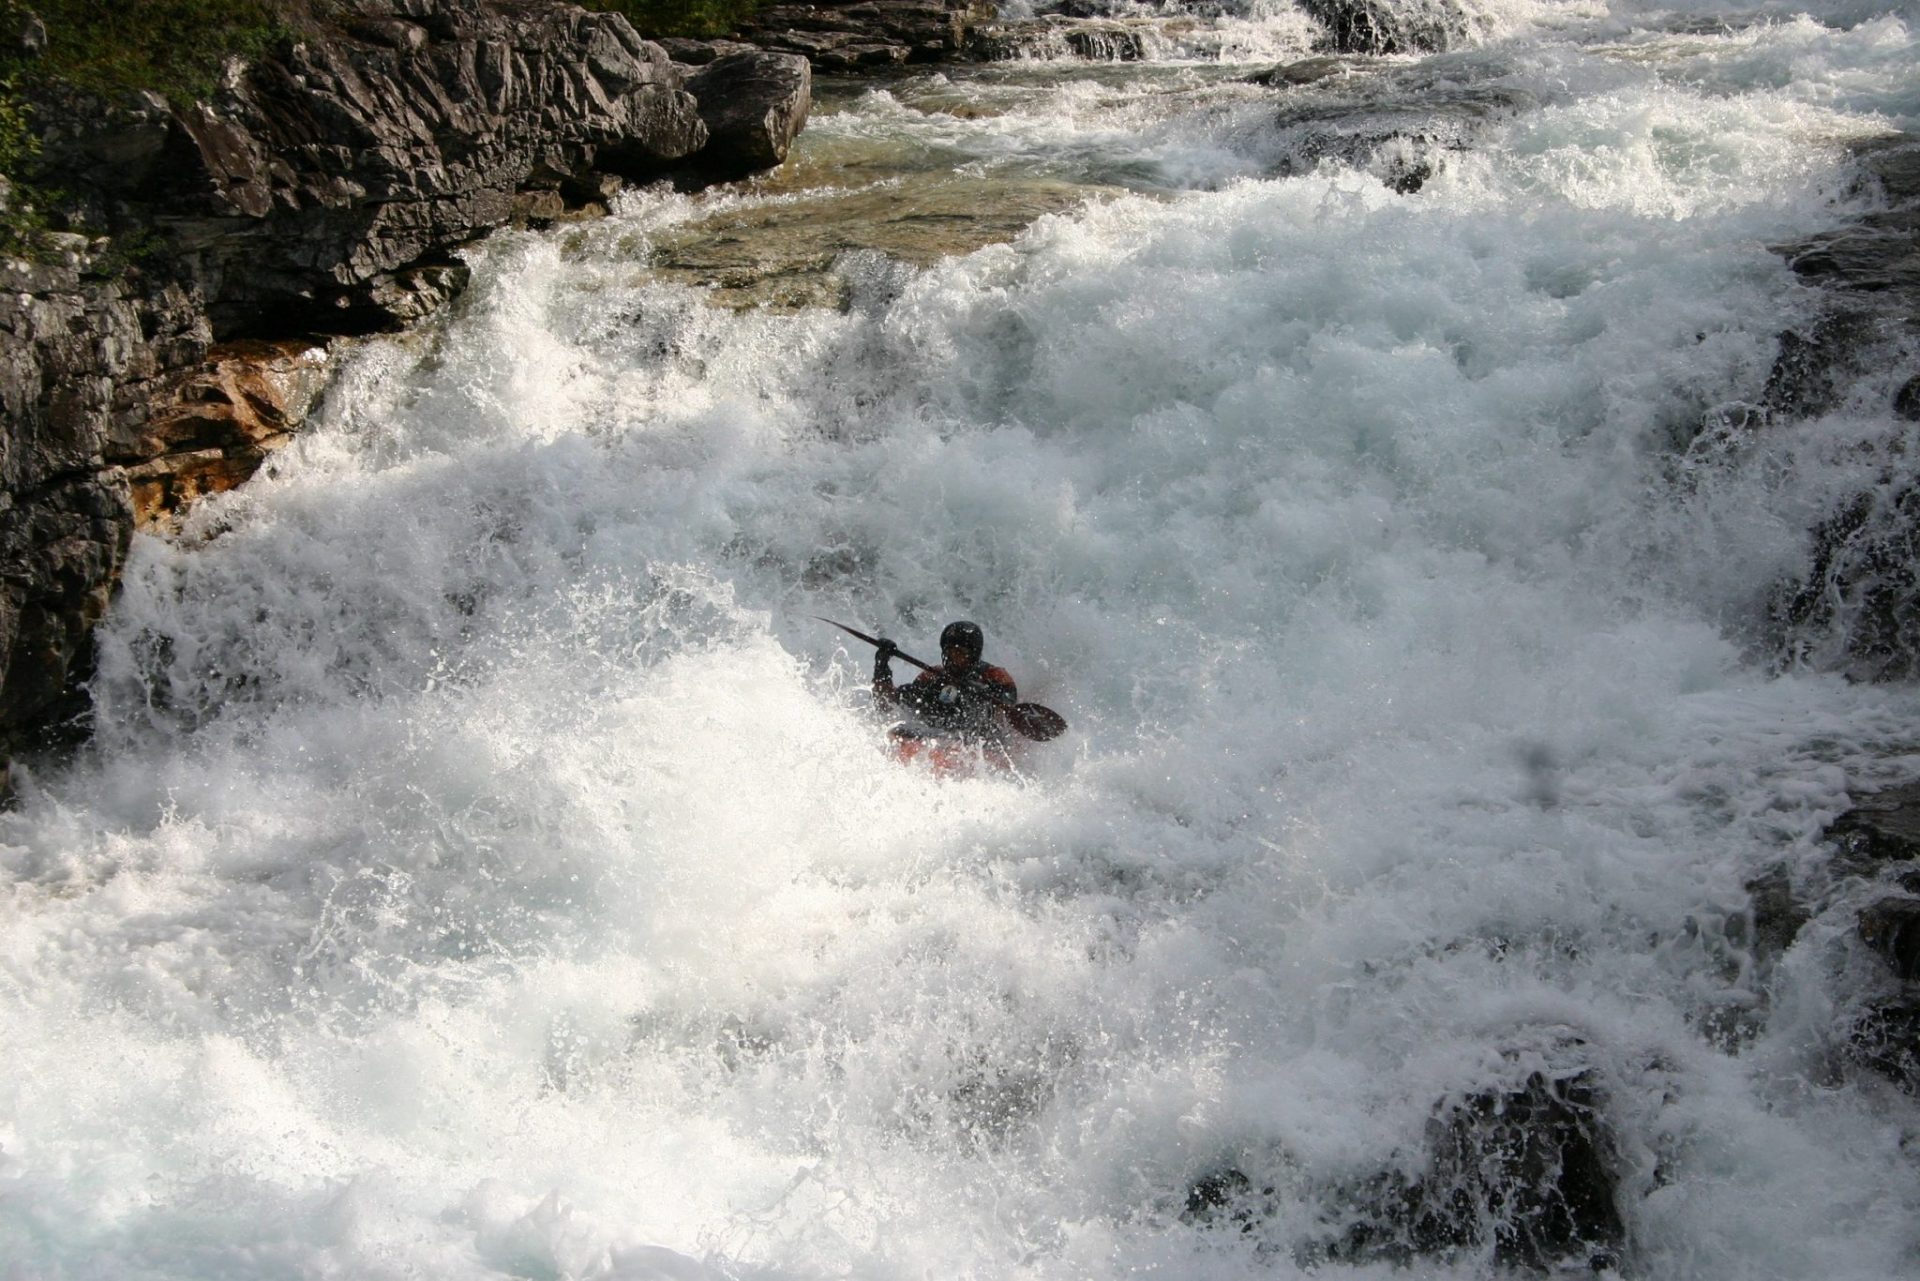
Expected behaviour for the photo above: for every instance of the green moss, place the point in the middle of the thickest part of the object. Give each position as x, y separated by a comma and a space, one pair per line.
680, 17
17, 142
174, 46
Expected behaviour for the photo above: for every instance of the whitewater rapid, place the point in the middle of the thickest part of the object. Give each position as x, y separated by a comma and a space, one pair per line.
485, 866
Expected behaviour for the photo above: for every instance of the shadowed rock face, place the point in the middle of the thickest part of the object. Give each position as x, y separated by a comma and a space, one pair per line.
315, 193
82, 359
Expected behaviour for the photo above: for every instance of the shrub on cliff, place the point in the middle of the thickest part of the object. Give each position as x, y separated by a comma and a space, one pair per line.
174, 46
680, 17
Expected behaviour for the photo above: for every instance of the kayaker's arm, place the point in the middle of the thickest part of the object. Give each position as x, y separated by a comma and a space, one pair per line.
884, 692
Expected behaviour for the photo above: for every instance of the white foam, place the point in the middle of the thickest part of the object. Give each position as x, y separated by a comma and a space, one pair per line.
488, 868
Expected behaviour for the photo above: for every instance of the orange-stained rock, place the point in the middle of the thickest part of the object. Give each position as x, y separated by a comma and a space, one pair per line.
242, 404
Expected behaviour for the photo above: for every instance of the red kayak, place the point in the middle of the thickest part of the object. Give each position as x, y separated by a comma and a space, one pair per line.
949, 757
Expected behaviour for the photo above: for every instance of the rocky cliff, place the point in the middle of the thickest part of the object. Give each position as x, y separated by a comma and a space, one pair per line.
320, 192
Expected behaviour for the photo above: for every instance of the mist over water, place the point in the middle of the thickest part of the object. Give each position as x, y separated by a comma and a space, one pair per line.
487, 867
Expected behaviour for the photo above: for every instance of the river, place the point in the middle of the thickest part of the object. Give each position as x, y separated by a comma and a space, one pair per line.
486, 866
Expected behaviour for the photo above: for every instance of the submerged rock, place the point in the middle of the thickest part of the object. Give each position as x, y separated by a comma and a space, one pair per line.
1882, 828
1397, 126
1525, 1175
1775, 915
1393, 26
1858, 608
1885, 1038
1054, 36
1522, 1173
1891, 927
1878, 840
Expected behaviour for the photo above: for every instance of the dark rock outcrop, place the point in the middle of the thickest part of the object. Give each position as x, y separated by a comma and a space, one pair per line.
753, 106
324, 191
1891, 927
321, 191
82, 359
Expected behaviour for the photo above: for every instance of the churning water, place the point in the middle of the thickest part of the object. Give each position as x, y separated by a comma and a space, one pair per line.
486, 867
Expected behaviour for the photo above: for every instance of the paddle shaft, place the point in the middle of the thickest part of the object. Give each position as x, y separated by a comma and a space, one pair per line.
874, 641
1032, 720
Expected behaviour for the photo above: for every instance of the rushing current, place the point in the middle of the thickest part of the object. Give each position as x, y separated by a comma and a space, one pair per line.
485, 866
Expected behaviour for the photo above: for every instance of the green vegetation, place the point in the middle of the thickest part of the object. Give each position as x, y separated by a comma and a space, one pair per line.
16, 135
110, 48
174, 46
680, 17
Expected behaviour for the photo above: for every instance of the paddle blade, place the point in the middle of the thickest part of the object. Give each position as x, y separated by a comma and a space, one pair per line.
1036, 722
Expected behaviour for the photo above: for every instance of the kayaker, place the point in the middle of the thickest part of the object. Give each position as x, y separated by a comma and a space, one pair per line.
963, 698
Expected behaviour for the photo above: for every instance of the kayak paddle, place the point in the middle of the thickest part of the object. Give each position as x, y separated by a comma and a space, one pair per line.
1029, 719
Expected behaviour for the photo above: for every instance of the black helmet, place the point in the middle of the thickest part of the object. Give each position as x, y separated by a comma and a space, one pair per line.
965, 637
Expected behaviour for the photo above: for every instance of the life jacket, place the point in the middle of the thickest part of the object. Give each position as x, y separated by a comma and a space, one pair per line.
970, 704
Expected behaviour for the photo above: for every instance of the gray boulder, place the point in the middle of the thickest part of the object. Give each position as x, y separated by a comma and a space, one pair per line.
753, 106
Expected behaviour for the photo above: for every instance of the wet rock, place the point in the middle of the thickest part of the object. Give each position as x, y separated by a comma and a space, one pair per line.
1880, 250
1393, 26
1891, 927
1881, 828
869, 34
1858, 608
753, 106
1886, 1039
1775, 914
1214, 1192
1053, 36
1306, 71
1814, 367
242, 403
1523, 1175
1906, 401
1367, 128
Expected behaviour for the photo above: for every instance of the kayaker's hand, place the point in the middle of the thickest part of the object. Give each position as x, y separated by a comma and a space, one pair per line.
883, 659
887, 649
